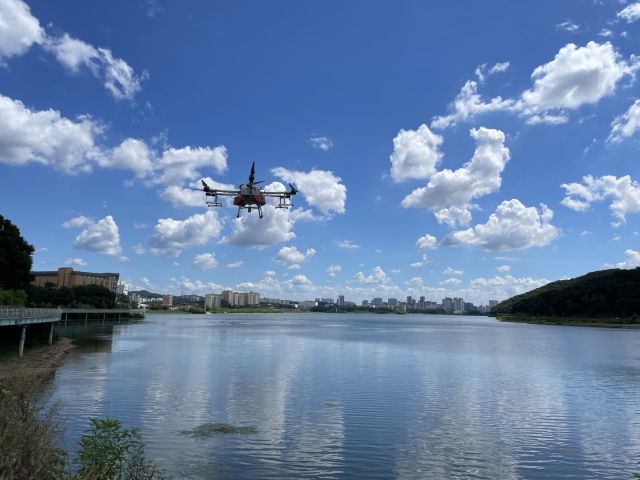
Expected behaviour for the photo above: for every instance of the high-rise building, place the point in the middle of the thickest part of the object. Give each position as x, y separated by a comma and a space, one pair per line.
393, 302
376, 302
213, 300
365, 303
167, 300
447, 304
341, 300
458, 304
493, 303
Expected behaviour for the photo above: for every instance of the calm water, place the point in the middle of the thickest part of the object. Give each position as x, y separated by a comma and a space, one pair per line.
409, 397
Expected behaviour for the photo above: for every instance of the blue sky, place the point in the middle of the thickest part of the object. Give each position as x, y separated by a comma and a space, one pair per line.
474, 149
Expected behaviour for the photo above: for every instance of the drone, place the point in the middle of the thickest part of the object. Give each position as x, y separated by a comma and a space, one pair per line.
248, 195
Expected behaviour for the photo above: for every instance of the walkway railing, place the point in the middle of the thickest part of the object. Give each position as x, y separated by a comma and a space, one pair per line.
13, 312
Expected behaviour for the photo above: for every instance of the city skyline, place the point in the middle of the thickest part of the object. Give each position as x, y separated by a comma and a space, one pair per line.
474, 151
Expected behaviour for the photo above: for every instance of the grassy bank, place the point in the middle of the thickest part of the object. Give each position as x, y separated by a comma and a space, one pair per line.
572, 321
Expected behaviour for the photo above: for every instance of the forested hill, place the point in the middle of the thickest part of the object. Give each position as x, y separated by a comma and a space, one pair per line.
606, 293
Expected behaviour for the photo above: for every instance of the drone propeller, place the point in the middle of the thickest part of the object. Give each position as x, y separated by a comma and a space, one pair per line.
261, 181
253, 168
293, 190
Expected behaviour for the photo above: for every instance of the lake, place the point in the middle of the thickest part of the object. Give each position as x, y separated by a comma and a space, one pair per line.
363, 396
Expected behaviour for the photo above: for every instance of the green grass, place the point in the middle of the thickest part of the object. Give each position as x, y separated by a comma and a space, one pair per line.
572, 321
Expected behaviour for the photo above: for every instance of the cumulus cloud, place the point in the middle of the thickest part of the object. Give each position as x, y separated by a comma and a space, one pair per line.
119, 78
377, 277
624, 192
449, 193
75, 261
292, 255
269, 273
102, 238
137, 225
295, 266
323, 143
171, 236
626, 124
451, 271
205, 261
72, 147
575, 77
508, 286
498, 68
199, 288
77, 222
428, 241
321, 189
18, 29
347, 244
469, 104
188, 197
334, 269
630, 13
235, 264
512, 227
631, 260
503, 268
451, 281
415, 154
249, 231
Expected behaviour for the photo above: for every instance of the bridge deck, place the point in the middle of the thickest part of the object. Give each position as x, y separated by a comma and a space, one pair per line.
26, 316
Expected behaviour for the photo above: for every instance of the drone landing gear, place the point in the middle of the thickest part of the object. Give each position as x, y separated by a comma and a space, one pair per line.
249, 208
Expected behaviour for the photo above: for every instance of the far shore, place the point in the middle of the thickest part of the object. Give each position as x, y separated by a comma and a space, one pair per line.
568, 321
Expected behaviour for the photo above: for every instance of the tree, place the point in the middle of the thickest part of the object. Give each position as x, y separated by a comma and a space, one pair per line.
15, 257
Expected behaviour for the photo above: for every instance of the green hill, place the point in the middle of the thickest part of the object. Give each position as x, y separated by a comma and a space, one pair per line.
602, 294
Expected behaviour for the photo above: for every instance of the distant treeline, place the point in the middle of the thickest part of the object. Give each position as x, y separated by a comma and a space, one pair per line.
606, 293
368, 309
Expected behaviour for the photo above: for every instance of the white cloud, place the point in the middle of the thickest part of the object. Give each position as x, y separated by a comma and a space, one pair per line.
171, 236
321, 189
451, 281
199, 288
323, 143
139, 249
585, 233
205, 261
569, 26
377, 277
605, 32
179, 164
140, 225
119, 78
499, 68
152, 7
626, 124
77, 222
269, 273
415, 154
41, 250
451, 271
123, 259
292, 255
503, 268
102, 238
132, 154
249, 231
631, 260
235, 264
624, 192
512, 227
508, 286
630, 13
395, 270
576, 76
468, 104
75, 261
334, 269
416, 264
295, 266
45, 137
456, 189
428, 241
615, 239
347, 244
18, 29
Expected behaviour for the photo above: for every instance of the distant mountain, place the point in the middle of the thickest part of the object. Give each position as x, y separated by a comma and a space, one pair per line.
147, 294
605, 293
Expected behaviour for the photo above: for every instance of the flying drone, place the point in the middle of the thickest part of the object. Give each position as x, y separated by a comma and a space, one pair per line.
248, 195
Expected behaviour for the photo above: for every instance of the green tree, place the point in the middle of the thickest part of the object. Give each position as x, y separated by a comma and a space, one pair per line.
15, 257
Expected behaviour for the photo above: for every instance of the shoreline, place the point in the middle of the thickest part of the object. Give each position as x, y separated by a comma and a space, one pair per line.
40, 362
570, 323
